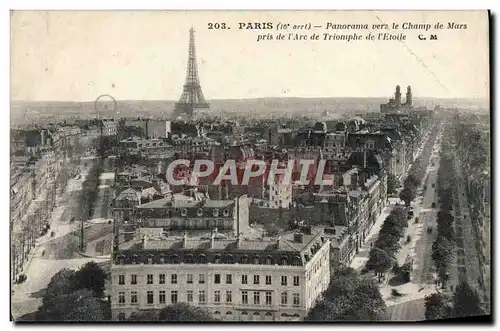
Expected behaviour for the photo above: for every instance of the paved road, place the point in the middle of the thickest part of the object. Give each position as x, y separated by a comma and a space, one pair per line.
423, 266
468, 255
408, 311
53, 254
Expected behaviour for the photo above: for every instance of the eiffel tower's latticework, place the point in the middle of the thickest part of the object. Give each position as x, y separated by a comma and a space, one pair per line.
192, 97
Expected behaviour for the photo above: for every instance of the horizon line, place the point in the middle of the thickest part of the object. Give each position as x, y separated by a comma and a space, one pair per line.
260, 98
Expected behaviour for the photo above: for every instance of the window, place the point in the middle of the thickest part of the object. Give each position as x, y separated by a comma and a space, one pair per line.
121, 298
269, 260
162, 297
229, 296
150, 297
162, 279
201, 296
284, 298
269, 298
150, 279
296, 281
201, 278
244, 297
173, 279
283, 280
284, 260
217, 279
189, 296
229, 279
256, 298
296, 299
173, 296
256, 279
133, 279
216, 296
121, 317
190, 278
268, 280
244, 279
121, 279
133, 298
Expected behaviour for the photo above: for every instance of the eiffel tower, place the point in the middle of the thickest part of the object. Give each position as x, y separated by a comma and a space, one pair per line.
192, 96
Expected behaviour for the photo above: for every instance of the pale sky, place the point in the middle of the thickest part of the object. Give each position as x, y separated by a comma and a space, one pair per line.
142, 55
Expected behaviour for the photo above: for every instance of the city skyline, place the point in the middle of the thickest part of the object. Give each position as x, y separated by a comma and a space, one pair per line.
75, 56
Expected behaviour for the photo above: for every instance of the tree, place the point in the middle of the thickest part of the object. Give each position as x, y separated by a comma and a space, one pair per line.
466, 302
401, 214
349, 297
442, 255
411, 182
393, 225
84, 306
392, 184
144, 316
183, 312
63, 282
75, 306
389, 242
379, 261
445, 224
407, 195
92, 277
437, 306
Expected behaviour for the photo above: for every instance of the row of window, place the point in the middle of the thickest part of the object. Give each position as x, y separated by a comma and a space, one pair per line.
201, 279
199, 212
121, 316
228, 297
218, 259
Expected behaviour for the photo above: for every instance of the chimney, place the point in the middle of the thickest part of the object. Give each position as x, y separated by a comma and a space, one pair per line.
238, 240
42, 134
184, 241
298, 237
306, 229
212, 239
278, 241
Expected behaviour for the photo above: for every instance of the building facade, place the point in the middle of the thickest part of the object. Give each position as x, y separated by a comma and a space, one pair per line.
235, 280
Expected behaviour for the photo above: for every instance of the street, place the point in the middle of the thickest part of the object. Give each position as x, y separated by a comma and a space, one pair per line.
468, 256
409, 311
52, 254
411, 305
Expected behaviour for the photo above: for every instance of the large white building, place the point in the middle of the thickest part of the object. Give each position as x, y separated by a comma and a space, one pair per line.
236, 279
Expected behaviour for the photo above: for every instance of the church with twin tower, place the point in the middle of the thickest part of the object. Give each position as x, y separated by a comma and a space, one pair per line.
395, 106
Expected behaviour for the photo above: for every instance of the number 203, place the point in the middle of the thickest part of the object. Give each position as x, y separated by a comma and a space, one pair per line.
217, 26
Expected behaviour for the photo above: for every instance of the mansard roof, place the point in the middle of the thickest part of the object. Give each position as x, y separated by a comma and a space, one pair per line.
291, 249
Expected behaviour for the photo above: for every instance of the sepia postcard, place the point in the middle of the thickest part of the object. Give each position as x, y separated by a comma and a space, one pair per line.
250, 166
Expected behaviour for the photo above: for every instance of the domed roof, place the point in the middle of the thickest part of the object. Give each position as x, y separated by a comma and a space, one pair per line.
320, 126
358, 120
341, 126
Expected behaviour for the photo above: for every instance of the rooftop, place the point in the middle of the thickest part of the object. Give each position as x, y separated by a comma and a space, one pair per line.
292, 248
